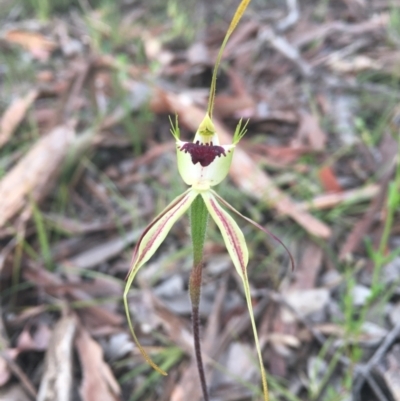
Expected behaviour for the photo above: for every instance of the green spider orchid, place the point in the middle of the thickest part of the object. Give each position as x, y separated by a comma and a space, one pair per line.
202, 164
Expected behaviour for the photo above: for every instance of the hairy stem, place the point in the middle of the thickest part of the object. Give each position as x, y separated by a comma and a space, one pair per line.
198, 221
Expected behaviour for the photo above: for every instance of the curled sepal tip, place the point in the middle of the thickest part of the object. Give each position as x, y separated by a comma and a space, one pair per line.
237, 249
148, 243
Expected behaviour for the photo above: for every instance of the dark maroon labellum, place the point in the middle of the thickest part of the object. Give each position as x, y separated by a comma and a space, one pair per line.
203, 154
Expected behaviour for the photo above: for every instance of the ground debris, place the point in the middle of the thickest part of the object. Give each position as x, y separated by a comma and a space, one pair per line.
57, 381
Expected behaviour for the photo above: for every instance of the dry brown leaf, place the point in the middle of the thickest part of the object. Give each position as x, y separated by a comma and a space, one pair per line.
5, 373
328, 201
32, 176
172, 323
228, 106
310, 132
308, 269
57, 380
34, 42
93, 315
239, 103
283, 155
106, 250
245, 172
13, 116
328, 179
305, 303
36, 341
98, 383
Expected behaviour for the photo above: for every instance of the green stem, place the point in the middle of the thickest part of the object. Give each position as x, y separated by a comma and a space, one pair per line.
235, 20
198, 221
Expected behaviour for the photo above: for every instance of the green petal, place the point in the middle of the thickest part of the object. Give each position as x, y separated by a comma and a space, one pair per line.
237, 248
148, 243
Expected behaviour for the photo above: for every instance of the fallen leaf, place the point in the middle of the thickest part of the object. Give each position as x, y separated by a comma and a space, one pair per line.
32, 176
284, 339
13, 116
239, 104
283, 155
355, 65
93, 314
39, 341
310, 133
306, 303
328, 179
328, 201
57, 380
34, 42
98, 382
104, 251
308, 269
239, 363
5, 373
354, 238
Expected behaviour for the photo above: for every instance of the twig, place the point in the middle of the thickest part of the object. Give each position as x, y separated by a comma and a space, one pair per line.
292, 17
287, 49
365, 370
25, 381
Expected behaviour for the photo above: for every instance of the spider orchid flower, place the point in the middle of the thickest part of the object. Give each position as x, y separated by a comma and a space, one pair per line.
202, 164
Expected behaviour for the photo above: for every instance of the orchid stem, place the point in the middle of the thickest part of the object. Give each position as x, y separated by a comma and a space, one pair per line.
198, 221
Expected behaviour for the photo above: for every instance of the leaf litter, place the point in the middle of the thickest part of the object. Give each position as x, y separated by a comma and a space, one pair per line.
86, 156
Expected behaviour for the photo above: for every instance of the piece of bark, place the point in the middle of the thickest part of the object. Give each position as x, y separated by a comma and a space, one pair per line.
14, 114
31, 178
57, 380
98, 382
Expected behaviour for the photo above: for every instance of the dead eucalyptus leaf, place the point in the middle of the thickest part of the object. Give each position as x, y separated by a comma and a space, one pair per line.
30, 179
56, 384
98, 383
15, 113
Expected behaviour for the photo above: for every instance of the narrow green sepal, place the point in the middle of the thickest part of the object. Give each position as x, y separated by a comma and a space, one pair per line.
147, 245
175, 131
240, 131
236, 245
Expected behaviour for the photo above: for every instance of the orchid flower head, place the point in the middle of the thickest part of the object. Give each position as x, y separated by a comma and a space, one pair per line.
204, 163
